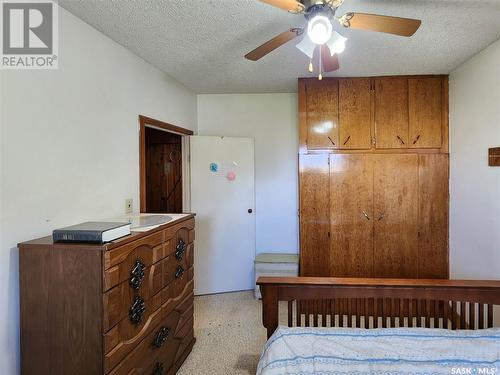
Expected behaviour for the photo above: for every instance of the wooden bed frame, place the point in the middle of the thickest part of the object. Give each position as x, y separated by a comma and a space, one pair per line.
373, 303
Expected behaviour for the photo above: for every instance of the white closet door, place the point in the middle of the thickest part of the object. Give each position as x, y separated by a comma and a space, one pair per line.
223, 199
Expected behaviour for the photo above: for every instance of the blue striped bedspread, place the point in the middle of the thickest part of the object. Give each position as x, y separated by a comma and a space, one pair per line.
326, 351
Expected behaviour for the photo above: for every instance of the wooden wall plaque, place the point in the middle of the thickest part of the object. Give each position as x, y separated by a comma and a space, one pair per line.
494, 157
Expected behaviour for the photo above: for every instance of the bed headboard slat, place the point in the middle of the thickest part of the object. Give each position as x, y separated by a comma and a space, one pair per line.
373, 303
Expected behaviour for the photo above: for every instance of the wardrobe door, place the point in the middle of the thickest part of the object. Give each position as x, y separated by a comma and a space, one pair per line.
314, 215
355, 113
351, 215
395, 199
391, 112
322, 113
433, 216
425, 111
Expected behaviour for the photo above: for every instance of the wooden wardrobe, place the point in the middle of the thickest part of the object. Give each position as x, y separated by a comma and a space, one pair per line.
373, 172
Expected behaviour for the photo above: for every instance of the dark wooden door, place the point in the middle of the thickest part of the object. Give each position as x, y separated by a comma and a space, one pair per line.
163, 172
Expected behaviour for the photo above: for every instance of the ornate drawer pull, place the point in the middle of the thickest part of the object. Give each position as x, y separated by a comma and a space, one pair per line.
180, 249
137, 274
180, 271
136, 310
158, 370
161, 337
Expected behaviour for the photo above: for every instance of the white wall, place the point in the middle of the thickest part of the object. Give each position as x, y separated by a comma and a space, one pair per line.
69, 146
474, 186
272, 120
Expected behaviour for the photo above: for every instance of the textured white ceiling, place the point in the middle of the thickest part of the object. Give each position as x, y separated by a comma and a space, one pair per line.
201, 43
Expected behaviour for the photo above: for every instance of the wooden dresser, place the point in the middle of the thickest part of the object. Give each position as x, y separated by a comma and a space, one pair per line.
124, 307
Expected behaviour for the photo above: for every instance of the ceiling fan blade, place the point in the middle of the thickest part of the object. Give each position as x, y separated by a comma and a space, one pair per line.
288, 5
384, 24
330, 63
274, 43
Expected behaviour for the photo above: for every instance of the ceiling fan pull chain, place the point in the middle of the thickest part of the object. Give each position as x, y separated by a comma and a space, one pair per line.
320, 76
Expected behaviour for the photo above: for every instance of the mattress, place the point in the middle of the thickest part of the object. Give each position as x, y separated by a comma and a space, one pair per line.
326, 351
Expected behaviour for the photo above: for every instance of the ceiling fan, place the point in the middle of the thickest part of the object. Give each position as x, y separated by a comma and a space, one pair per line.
319, 32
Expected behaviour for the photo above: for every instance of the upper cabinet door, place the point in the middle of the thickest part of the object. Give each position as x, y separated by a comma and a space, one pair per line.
391, 112
355, 114
425, 109
322, 109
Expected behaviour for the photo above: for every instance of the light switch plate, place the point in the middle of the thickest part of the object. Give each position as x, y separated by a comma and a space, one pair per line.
129, 206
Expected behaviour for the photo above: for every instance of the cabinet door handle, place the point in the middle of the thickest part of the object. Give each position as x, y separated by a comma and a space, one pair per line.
161, 337
347, 140
402, 142
333, 143
137, 274
179, 272
136, 310
381, 216
180, 249
366, 215
416, 139
158, 370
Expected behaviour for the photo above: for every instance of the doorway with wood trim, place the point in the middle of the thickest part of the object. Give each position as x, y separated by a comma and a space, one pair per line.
163, 165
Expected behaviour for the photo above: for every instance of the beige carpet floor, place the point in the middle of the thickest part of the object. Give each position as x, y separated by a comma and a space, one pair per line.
229, 335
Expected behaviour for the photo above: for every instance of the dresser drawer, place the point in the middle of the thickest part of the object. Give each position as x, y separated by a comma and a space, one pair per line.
181, 233
118, 300
125, 262
126, 335
184, 337
171, 296
161, 346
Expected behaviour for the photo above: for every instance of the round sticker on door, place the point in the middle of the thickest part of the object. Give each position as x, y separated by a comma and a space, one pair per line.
231, 176
214, 167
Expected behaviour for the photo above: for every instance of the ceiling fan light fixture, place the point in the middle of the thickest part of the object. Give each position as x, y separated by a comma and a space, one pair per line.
319, 29
306, 46
336, 44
